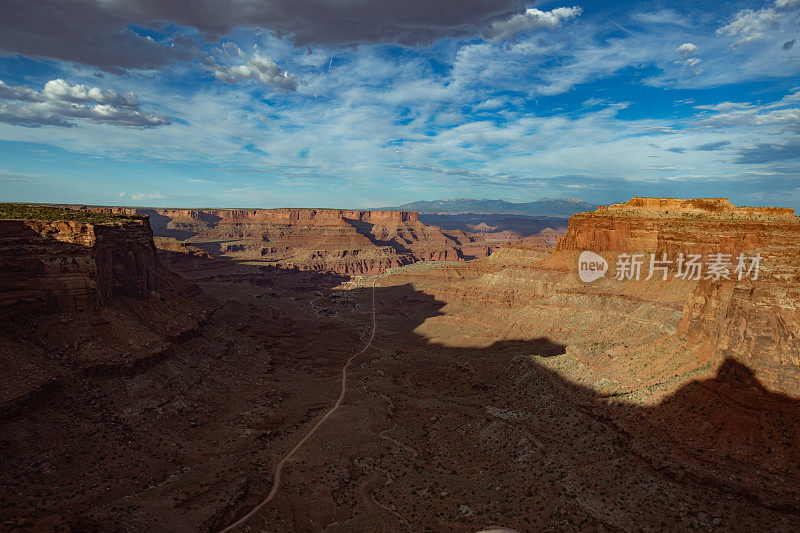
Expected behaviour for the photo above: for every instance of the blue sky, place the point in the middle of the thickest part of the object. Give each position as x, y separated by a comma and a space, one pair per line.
121, 102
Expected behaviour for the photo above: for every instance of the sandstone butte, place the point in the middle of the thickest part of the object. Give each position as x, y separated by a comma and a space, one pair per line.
333, 240
688, 389
753, 322
535, 293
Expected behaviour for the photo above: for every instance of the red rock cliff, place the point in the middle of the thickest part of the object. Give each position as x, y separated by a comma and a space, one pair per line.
344, 241
50, 266
755, 322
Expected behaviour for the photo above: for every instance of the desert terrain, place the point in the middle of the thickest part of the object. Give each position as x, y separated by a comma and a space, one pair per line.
159, 365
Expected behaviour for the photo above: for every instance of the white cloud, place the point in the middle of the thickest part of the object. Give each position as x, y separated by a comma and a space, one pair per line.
787, 4
593, 50
687, 49
490, 104
663, 16
59, 104
232, 49
690, 61
403, 109
157, 195
724, 106
749, 26
61, 90
780, 116
258, 68
531, 19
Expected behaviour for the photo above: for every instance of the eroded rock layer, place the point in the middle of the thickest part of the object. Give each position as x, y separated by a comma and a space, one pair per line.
700, 374
92, 297
753, 321
333, 240
73, 266
700, 320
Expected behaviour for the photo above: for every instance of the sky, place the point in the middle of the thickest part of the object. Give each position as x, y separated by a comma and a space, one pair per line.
370, 103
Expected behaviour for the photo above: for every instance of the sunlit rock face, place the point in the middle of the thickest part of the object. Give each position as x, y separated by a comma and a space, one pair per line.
638, 331
333, 240
753, 321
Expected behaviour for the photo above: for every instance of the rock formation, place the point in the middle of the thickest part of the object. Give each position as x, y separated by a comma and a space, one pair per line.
502, 390
754, 322
334, 240
700, 375
72, 266
107, 277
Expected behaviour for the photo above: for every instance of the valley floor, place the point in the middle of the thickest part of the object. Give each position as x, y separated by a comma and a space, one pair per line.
429, 436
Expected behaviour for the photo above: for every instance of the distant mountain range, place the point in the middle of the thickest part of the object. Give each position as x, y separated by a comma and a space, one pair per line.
544, 207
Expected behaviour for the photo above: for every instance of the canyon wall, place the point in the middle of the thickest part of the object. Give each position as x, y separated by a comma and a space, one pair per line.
342, 241
85, 297
52, 266
699, 225
753, 321
638, 334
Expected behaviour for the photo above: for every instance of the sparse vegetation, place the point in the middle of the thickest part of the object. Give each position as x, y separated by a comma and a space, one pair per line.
49, 212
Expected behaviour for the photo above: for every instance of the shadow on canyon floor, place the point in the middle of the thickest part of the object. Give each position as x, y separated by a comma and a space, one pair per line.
727, 433
488, 425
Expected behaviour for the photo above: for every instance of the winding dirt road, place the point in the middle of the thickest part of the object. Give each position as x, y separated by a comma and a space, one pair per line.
276, 480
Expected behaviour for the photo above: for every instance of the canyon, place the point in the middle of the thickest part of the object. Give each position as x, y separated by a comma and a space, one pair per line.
332, 240
497, 388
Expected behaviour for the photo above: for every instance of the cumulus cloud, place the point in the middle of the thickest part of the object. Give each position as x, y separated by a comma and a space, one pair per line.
530, 20
687, 49
61, 90
61, 104
98, 32
258, 68
749, 26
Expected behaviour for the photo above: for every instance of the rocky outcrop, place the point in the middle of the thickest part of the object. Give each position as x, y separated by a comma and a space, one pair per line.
52, 266
647, 331
709, 208
754, 322
82, 296
672, 226
342, 241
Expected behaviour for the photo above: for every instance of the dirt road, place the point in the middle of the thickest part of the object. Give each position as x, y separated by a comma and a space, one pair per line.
279, 467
